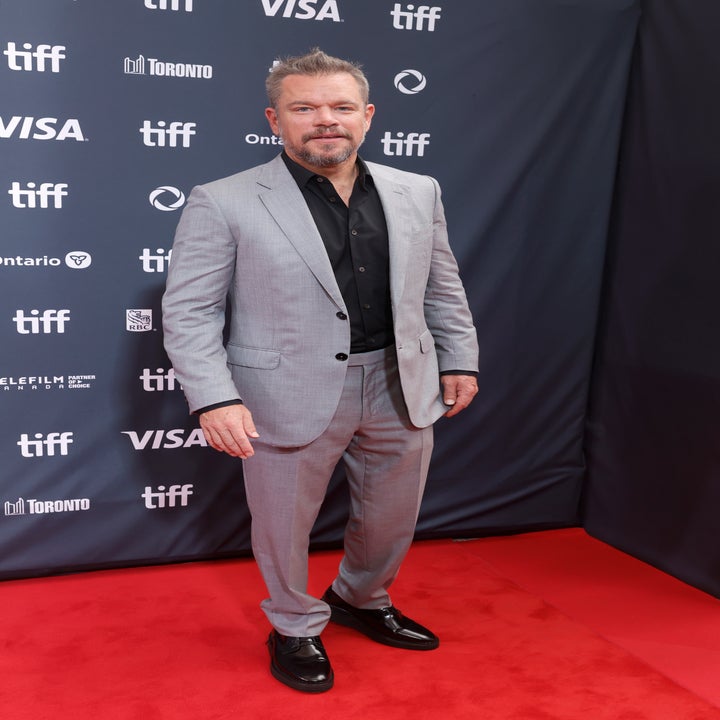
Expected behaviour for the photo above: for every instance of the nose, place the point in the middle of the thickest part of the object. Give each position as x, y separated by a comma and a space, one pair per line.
324, 116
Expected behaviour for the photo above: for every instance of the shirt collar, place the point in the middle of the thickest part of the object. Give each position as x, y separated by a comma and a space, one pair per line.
303, 176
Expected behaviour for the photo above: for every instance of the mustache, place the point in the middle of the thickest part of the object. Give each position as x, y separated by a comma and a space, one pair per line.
324, 133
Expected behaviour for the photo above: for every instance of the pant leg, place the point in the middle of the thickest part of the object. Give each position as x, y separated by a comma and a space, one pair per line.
387, 464
285, 488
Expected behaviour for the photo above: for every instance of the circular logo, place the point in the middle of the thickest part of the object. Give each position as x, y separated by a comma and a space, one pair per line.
162, 198
410, 82
78, 259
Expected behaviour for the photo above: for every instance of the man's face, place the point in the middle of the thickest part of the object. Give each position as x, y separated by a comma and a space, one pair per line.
321, 119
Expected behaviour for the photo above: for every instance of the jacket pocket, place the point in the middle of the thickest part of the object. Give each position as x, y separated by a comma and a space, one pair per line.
253, 357
427, 342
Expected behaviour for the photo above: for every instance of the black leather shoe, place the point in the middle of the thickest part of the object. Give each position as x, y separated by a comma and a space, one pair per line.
386, 625
300, 662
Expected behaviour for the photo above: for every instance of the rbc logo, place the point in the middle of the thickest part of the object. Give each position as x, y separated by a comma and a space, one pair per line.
23, 59
305, 10
414, 19
186, 5
40, 197
138, 320
405, 145
39, 447
50, 321
167, 136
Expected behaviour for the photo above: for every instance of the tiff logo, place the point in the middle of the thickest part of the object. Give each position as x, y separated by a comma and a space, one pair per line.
167, 136
186, 5
31, 197
23, 59
402, 145
158, 262
414, 19
50, 321
39, 447
157, 381
161, 497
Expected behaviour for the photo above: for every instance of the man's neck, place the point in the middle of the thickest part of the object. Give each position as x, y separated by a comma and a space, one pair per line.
343, 174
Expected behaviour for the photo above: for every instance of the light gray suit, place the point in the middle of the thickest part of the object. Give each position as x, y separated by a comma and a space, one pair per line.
251, 238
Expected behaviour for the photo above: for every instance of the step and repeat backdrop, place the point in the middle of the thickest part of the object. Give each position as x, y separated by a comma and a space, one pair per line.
112, 110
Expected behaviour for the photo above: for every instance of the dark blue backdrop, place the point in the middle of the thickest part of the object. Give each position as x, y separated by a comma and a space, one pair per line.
112, 110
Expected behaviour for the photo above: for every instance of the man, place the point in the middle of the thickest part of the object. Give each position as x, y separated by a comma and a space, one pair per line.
349, 336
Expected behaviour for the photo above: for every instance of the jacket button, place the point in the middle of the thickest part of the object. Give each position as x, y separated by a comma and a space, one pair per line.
341, 356
340, 314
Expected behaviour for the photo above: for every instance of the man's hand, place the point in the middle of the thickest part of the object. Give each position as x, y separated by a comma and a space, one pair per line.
458, 391
229, 429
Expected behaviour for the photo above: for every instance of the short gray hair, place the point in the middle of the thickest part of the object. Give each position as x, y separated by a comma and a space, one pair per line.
314, 63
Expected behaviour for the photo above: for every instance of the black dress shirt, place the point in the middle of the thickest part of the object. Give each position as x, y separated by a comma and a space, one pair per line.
356, 239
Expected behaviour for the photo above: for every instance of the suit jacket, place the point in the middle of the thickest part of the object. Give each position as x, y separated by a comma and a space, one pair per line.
250, 239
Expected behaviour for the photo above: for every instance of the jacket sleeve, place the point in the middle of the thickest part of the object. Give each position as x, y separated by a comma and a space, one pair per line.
200, 273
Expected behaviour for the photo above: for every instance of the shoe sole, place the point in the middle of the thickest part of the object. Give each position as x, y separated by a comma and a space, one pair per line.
301, 685
344, 618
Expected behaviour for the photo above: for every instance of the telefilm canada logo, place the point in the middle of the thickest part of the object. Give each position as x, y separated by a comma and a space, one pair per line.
32, 506
163, 68
31, 383
139, 320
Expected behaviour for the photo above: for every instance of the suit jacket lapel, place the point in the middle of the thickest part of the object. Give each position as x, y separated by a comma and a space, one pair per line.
395, 199
280, 194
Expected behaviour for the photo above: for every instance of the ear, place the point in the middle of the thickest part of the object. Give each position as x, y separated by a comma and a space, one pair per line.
271, 116
369, 112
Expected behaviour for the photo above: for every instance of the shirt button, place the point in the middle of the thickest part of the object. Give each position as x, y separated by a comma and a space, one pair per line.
353, 232
366, 306
341, 356
340, 314
332, 199
361, 268
321, 179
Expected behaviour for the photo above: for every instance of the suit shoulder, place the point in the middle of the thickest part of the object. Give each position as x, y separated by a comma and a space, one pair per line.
404, 176
237, 181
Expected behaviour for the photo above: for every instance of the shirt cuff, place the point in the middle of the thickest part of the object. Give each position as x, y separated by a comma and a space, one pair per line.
215, 406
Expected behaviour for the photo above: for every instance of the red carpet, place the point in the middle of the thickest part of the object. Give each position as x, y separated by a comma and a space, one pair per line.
543, 626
